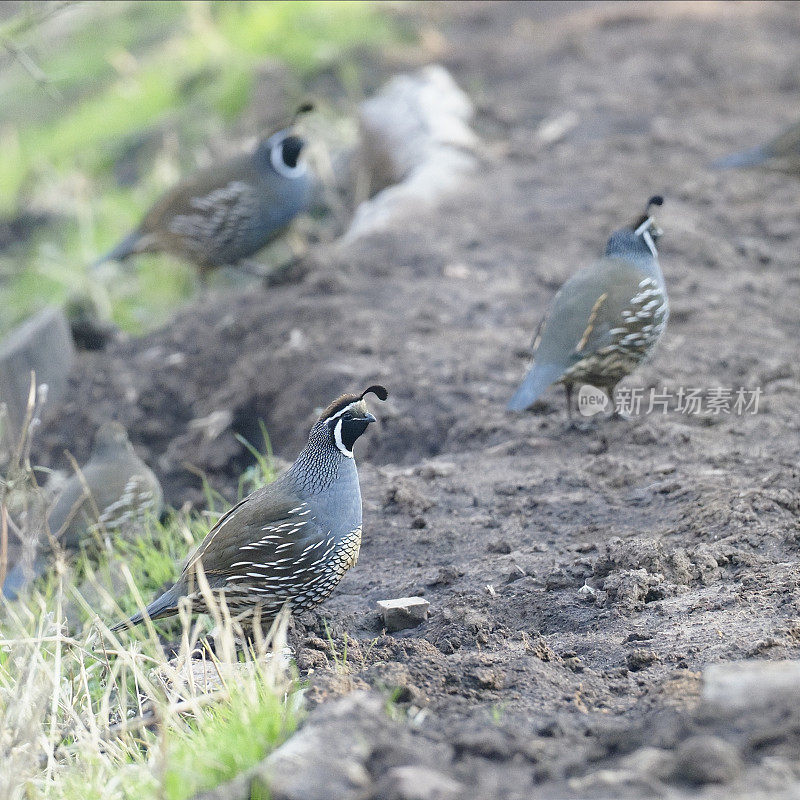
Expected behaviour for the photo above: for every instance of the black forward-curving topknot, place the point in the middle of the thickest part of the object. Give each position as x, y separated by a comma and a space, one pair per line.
346, 399
379, 391
655, 200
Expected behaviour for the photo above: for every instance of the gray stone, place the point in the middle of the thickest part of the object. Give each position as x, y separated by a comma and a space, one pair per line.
324, 760
707, 759
416, 146
327, 759
649, 761
43, 345
403, 612
418, 783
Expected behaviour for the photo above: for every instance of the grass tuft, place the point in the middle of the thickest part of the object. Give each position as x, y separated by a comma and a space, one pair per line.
88, 713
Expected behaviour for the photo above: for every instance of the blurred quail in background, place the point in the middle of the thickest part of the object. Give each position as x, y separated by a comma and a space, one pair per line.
227, 212
781, 153
604, 321
113, 493
291, 541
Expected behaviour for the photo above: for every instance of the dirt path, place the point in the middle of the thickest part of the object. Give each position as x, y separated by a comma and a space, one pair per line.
684, 529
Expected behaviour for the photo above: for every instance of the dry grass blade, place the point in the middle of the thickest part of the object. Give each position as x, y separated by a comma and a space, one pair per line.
3, 542
85, 713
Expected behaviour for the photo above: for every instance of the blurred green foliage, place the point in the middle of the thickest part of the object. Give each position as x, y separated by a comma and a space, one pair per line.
104, 84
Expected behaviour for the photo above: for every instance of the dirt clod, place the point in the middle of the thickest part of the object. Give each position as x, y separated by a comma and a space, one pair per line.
707, 759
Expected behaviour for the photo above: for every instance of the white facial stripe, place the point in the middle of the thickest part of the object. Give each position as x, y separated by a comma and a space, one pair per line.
650, 243
337, 437
644, 231
644, 226
276, 157
353, 406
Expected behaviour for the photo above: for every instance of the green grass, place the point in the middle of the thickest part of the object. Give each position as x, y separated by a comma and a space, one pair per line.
151, 82
86, 713
233, 736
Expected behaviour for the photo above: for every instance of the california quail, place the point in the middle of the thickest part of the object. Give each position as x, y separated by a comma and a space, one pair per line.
113, 491
229, 211
291, 541
605, 320
781, 153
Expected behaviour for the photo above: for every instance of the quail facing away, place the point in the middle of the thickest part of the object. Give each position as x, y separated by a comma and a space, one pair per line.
292, 540
605, 320
225, 213
114, 491
781, 153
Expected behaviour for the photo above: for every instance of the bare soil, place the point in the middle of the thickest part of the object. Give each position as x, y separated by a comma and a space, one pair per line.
685, 529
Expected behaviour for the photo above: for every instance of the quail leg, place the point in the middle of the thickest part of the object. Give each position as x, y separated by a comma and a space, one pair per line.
572, 424
615, 415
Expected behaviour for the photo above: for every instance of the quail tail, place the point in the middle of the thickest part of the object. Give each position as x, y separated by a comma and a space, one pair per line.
163, 606
127, 247
536, 381
747, 158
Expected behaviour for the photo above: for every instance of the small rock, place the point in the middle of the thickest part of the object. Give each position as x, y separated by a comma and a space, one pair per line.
403, 612
418, 783
640, 659
489, 678
707, 759
650, 761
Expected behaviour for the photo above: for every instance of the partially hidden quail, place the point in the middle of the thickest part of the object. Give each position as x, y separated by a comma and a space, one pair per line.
225, 213
290, 542
605, 320
781, 153
113, 493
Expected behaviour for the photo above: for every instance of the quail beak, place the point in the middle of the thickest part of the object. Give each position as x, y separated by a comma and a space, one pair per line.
368, 418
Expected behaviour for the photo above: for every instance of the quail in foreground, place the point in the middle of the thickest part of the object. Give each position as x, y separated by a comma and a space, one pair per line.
227, 212
604, 321
113, 492
781, 153
291, 541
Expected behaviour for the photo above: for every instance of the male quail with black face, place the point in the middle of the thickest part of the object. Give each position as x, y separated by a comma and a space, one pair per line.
292, 541
605, 320
224, 214
114, 491
781, 153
